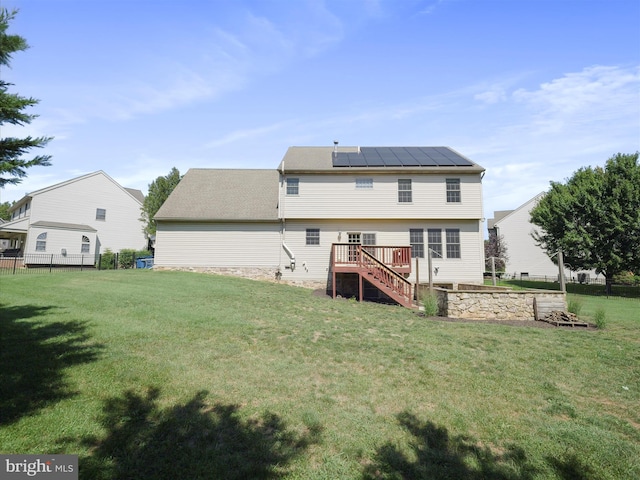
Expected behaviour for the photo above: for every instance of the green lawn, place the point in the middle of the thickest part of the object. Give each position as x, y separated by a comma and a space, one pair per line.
169, 375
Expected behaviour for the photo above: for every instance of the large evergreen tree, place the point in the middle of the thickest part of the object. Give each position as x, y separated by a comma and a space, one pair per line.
159, 191
12, 164
595, 217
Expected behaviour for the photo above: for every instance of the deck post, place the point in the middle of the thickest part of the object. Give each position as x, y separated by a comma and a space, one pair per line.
430, 266
333, 283
360, 286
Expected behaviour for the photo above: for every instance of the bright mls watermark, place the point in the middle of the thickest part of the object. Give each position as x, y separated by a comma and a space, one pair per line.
50, 467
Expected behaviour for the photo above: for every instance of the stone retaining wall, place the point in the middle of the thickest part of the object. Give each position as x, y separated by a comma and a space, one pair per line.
492, 304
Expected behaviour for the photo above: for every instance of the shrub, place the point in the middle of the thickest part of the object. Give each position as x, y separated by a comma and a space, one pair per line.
600, 318
126, 258
574, 306
624, 278
108, 260
430, 303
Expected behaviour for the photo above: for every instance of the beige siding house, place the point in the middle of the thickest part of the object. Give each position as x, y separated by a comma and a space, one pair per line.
290, 221
526, 258
84, 215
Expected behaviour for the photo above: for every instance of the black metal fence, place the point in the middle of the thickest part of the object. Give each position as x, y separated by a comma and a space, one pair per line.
595, 286
49, 263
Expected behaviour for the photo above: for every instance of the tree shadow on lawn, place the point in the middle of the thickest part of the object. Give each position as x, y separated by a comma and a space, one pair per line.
191, 441
438, 456
33, 358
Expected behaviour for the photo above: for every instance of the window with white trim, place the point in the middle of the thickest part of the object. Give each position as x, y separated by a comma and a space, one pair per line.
434, 241
86, 244
453, 190
416, 240
404, 191
101, 214
368, 238
41, 242
293, 186
364, 182
313, 236
453, 242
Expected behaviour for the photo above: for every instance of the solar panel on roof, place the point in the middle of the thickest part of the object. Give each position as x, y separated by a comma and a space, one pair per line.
399, 157
340, 160
356, 160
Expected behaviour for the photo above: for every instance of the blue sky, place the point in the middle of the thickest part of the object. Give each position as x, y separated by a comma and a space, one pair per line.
531, 90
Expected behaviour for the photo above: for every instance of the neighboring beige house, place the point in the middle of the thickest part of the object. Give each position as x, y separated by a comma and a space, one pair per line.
526, 258
328, 213
82, 216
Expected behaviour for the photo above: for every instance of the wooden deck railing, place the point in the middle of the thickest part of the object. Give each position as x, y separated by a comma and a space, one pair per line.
388, 277
349, 255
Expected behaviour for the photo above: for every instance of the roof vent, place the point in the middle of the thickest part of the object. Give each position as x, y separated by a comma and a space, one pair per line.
335, 148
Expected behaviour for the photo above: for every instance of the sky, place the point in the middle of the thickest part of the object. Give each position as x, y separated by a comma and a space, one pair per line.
531, 90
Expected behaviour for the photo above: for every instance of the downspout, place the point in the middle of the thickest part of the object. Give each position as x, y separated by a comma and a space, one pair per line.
290, 254
292, 257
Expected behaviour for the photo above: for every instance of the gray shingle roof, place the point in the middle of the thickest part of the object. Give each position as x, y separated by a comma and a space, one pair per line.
136, 193
206, 194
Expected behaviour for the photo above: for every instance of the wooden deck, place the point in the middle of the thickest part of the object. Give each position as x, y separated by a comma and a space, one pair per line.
384, 267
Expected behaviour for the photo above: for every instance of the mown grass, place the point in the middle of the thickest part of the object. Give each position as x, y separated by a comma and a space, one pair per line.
160, 375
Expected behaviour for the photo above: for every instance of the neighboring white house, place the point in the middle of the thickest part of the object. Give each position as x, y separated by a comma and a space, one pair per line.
525, 257
293, 221
82, 216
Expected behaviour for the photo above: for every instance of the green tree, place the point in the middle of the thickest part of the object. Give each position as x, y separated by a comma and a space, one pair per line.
594, 217
4, 210
495, 247
159, 191
12, 164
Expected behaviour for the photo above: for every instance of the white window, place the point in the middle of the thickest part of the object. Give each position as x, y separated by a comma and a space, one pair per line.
313, 236
364, 182
434, 240
453, 243
453, 190
41, 242
404, 191
416, 240
293, 186
101, 214
86, 244
368, 238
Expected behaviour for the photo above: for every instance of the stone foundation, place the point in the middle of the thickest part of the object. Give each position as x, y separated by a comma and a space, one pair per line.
257, 273
492, 304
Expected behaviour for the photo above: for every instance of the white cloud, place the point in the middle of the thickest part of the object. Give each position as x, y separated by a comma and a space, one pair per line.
597, 86
496, 95
429, 9
250, 133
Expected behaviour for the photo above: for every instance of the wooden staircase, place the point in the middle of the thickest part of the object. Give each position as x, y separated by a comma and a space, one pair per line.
370, 263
